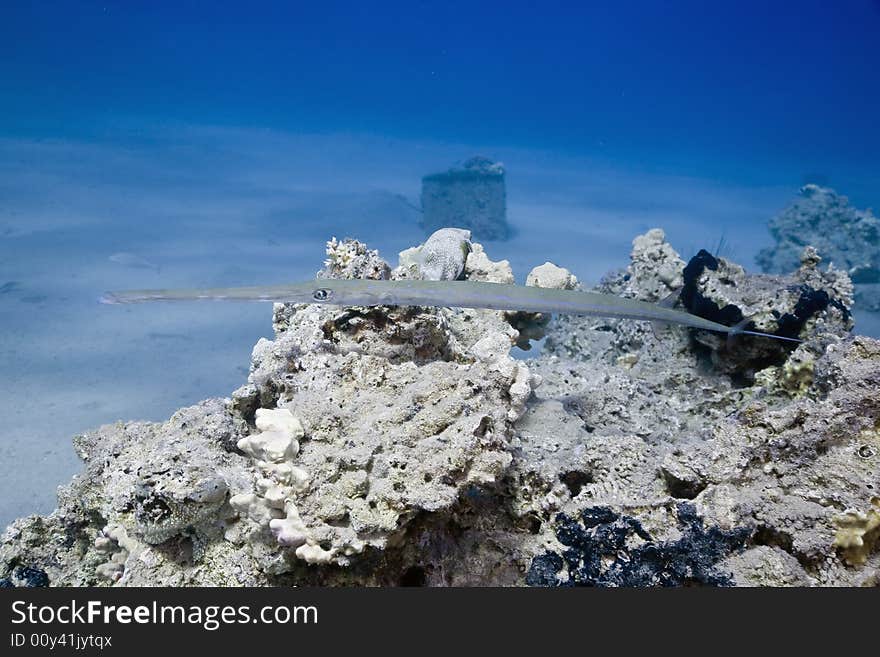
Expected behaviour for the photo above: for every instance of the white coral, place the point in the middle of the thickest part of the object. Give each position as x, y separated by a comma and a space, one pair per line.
550, 276
340, 254
289, 531
278, 440
272, 506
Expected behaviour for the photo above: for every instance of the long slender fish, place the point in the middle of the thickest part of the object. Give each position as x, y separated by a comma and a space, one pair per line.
464, 294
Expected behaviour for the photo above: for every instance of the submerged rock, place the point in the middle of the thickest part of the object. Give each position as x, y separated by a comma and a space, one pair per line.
405, 446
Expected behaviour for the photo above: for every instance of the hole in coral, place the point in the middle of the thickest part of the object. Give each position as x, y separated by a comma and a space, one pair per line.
683, 489
342, 521
483, 427
414, 576
772, 537
575, 480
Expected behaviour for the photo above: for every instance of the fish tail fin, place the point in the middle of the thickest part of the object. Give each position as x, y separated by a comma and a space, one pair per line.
141, 296
277, 293
740, 329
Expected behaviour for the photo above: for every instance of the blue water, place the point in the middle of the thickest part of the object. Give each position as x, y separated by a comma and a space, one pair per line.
225, 143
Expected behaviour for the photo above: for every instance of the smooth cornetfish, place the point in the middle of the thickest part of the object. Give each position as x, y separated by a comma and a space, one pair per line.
464, 294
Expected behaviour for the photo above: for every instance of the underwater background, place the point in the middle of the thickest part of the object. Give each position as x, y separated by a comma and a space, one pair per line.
192, 144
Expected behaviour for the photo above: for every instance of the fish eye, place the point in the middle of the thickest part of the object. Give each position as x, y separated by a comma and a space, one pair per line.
321, 294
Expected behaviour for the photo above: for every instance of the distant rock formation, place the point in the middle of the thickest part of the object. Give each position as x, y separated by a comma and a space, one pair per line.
472, 197
842, 235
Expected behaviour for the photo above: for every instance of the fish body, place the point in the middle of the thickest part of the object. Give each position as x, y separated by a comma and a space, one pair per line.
464, 294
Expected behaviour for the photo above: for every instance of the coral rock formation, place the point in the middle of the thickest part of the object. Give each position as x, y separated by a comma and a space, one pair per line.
400, 445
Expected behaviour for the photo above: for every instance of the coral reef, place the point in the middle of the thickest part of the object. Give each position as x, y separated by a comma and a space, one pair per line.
352, 259
841, 234
402, 445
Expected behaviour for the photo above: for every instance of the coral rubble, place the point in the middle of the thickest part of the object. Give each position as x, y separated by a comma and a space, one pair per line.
402, 445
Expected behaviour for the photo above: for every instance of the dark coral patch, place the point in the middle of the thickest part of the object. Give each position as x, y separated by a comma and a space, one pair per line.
810, 303
31, 577
695, 302
605, 548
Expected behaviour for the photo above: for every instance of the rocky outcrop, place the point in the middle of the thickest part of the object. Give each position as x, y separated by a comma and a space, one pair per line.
406, 446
